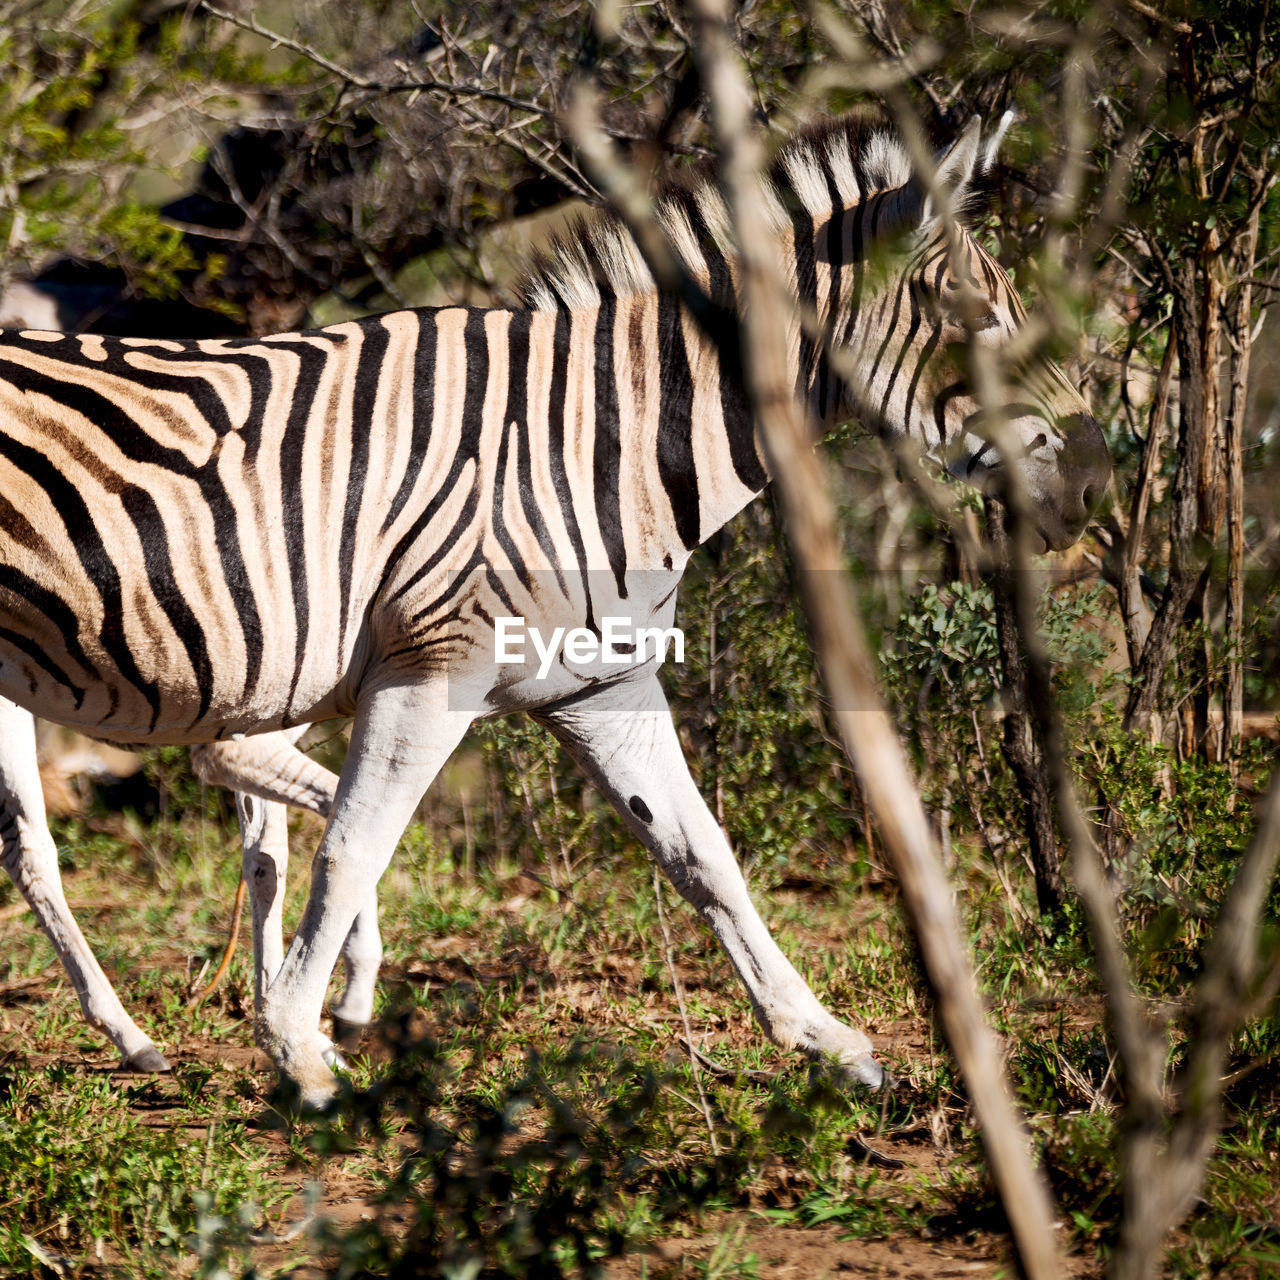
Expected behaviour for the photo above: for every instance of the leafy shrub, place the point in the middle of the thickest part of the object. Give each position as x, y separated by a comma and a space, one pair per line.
942, 665
549, 1174
749, 699
77, 1167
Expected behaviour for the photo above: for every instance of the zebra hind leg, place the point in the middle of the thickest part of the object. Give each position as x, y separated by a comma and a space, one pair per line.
403, 734
28, 853
269, 767
362, 958
264, 837
624, 739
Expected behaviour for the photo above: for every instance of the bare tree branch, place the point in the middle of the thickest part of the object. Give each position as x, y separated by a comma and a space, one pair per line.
868, 734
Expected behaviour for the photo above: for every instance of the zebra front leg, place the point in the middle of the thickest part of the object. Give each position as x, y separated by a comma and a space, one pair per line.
403, 734
623, 737
28, 853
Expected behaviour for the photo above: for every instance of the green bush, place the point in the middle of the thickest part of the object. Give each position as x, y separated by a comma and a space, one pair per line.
78, 1167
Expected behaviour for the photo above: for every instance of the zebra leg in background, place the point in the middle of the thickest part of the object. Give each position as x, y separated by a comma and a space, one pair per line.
623, 737
403, 734
264, 837
269, 767
28, 853
362, 957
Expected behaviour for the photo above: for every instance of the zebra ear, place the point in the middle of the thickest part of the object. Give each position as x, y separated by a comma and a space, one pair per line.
991, 148
954, 170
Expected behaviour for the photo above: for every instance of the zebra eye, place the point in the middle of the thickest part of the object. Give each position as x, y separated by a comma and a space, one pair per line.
973, 310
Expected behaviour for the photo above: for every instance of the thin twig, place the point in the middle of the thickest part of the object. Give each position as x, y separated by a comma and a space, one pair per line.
374, 84
733, 1074
864, 1151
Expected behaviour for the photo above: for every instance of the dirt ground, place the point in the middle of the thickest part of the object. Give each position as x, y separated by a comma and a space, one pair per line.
722, 1245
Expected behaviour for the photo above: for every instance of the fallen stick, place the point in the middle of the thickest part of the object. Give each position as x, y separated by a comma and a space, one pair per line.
225, 963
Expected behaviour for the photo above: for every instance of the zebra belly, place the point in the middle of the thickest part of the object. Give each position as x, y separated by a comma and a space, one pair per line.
562, 685
113, 707
135, 657
506, 642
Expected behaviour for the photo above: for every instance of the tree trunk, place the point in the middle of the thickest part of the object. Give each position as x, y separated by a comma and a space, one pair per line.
1240, 336
1019, 742
1185, 570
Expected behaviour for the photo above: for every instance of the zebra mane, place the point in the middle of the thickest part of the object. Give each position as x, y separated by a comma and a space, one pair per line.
596, 256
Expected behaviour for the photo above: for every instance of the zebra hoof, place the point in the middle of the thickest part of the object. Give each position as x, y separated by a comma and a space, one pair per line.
334, 1060
865, 1070
290, 1102
347, 1035
146, 1061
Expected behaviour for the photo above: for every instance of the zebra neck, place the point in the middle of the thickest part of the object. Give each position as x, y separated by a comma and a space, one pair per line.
682, 423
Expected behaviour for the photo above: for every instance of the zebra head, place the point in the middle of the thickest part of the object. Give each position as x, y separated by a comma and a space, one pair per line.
911, 292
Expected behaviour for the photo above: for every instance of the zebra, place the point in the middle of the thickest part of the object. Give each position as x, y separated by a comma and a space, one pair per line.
206, 538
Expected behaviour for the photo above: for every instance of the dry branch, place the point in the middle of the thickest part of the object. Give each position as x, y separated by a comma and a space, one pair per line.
868, 734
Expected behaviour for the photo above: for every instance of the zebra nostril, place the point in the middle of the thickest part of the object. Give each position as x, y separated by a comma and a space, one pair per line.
1085, 463
1084, 472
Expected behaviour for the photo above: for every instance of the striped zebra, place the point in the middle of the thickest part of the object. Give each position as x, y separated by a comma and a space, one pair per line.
205, 538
